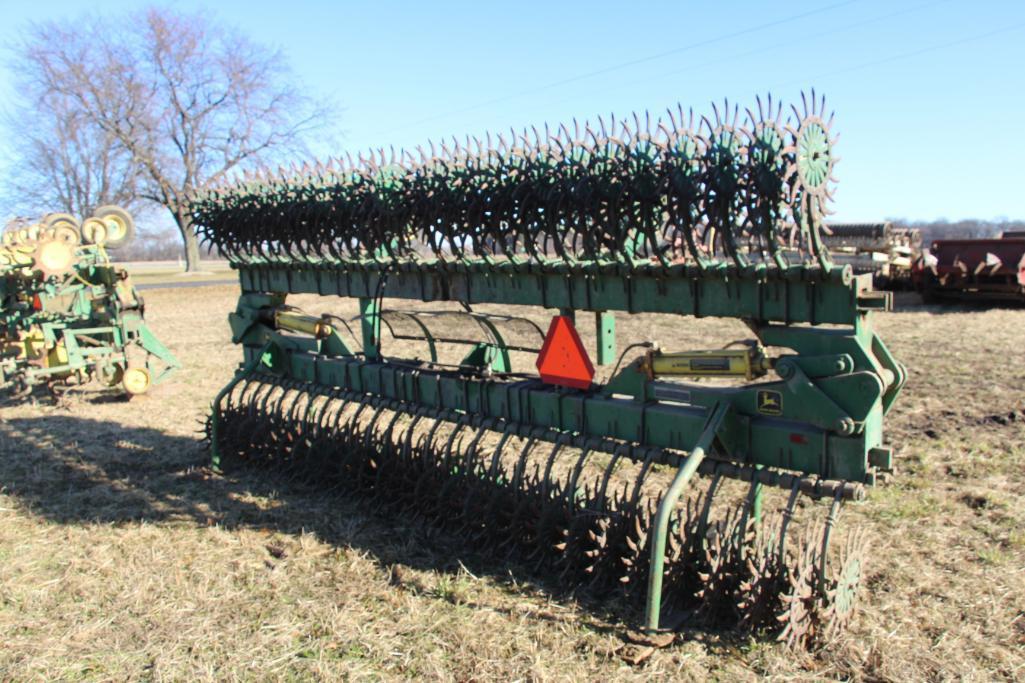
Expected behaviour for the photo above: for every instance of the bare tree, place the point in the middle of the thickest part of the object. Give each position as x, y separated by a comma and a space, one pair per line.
189, 101
64, 163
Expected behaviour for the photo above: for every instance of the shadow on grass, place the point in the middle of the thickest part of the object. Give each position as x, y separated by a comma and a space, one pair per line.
74, 470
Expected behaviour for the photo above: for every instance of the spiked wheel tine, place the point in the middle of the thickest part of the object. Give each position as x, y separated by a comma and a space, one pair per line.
496, 457
649, 460
521, 462
546, 479
840, 599
574, 478
827, 531
713, 487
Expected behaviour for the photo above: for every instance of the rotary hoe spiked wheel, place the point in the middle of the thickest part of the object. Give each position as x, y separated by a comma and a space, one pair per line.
580, 512
618, 474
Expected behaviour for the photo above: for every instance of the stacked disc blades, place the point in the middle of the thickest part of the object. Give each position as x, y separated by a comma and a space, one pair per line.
743, 185
579, 513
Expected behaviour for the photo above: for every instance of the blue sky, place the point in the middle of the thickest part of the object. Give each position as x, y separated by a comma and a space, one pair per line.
929, 94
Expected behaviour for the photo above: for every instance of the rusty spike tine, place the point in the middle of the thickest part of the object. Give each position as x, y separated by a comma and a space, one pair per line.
626, 132
713, 488
452, 446
617, 454
827, 531
707, 124
787, 515
673, 125
547, 139
748, 504
407, 441
635, 496
496, 456
752, 119
527, 150
795, 123
471, 461
521, 462
578, 468
561, 133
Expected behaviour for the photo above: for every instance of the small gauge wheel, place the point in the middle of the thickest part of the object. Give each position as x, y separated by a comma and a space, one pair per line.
119, 223
136, 381
63, 227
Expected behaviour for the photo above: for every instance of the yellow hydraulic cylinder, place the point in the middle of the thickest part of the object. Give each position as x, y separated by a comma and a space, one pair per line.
748, 362
294, 321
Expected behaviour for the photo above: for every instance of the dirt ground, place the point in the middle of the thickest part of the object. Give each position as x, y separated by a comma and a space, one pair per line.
123, 558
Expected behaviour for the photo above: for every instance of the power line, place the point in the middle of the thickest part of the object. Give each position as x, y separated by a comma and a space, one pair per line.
778, 46
623, 65
908, 55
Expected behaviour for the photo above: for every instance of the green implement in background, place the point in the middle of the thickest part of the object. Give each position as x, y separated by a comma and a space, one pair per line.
66, 315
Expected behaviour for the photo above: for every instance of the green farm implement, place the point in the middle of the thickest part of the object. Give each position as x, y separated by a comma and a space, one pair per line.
67, 316
595, 482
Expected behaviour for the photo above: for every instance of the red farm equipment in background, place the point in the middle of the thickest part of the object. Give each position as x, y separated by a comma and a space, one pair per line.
972, 270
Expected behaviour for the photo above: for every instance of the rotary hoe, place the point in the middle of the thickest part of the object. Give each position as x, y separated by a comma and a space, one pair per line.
67, 316
699, 486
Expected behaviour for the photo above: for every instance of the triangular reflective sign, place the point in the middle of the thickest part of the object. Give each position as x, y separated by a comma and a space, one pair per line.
563, 360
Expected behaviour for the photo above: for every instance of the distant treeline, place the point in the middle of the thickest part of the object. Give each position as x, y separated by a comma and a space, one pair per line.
161, 246
937, 230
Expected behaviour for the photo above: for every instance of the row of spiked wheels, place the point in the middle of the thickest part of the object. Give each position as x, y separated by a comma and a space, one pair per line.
578, 512
677, 188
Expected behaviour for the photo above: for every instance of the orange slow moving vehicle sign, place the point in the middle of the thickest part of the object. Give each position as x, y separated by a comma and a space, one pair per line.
563, 360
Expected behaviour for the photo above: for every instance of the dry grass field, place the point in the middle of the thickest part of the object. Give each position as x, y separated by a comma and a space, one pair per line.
123, 558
